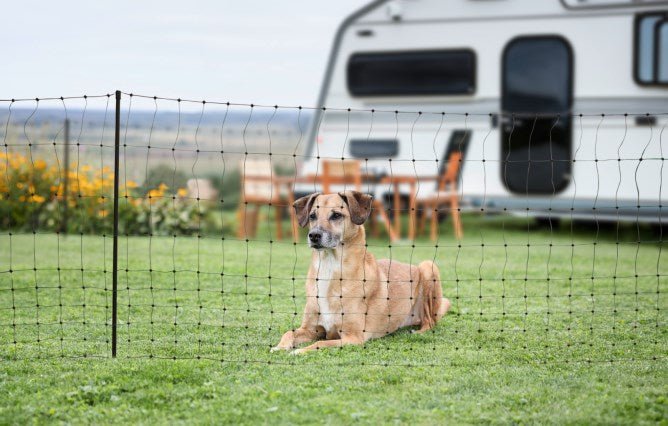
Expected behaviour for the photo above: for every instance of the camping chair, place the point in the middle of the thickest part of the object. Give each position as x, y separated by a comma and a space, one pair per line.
259, 188
446, 195
349, 173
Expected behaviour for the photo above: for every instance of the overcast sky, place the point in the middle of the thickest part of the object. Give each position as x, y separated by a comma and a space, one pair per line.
261, 51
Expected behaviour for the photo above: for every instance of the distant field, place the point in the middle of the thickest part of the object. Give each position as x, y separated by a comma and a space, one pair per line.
188, 141
546, 327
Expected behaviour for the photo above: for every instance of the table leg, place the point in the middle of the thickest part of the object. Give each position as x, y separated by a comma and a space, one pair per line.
278, 213
397, 210
293, 217
412, 213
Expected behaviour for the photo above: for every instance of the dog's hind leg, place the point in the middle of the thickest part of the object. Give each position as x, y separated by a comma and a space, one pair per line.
434, 305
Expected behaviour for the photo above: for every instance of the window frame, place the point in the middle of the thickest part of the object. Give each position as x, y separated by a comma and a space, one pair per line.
467, 50
663, 16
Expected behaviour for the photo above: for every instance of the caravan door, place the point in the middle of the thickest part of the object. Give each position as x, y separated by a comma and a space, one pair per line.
536, 98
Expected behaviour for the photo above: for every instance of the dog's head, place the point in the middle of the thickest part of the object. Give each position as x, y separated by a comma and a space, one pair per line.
332, 218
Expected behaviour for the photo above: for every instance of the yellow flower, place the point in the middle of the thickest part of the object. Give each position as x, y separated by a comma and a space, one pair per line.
155, 193
40, 164
182, 192
130, 184
38, 199
163, 187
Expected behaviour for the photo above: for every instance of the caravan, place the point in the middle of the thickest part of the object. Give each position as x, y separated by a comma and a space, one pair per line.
560, 107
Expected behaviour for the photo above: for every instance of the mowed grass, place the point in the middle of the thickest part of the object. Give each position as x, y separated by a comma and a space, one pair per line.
547, 326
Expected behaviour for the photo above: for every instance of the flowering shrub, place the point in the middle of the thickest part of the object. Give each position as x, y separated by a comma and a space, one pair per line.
32, 196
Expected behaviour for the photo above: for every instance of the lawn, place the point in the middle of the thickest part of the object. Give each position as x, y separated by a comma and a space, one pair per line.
548, 326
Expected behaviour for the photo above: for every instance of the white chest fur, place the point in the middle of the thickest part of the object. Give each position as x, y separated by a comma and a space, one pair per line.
325, 266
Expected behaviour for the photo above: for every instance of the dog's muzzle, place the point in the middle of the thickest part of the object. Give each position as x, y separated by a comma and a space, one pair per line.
320, 239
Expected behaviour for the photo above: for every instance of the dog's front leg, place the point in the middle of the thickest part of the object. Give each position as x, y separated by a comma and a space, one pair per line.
293, 338
347, 339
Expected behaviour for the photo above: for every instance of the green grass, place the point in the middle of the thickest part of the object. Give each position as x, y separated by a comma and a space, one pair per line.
194, 347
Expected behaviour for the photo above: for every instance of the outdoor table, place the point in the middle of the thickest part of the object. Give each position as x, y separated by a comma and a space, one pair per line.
412, 181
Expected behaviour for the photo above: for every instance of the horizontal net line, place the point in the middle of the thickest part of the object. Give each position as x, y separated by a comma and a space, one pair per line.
609, 213
223, 307
505, 278
373, 159
297, 277
374, 110
310, 363
58, 98
407, 365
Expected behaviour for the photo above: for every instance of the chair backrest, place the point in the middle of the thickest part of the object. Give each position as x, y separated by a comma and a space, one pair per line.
341, 172
451, 174
256, 184
458, 143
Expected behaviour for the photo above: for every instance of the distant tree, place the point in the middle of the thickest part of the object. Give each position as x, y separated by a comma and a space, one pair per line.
166, 174
228, 187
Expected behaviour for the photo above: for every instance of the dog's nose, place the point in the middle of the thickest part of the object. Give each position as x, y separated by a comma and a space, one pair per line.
314, 237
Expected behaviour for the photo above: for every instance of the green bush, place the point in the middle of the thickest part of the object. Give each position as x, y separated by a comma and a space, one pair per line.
32, 196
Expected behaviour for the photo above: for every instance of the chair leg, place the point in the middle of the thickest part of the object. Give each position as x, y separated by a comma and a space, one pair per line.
396, 205
423, 220
293, 217
433, 232
278, 215
386, 220
456, 219
412, 217
252, 226
241, 221
373, 224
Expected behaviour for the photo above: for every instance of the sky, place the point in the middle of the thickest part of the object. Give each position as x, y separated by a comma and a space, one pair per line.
250, 51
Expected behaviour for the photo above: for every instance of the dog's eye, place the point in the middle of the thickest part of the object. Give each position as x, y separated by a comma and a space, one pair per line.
335, 215
313, 216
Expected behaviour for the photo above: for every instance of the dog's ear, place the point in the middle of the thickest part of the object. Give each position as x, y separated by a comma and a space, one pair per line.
359, 205
303, 208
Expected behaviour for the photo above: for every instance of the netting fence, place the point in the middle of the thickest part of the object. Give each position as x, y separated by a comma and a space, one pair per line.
147, 227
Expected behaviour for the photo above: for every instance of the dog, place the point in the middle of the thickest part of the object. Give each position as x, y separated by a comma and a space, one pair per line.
351, 297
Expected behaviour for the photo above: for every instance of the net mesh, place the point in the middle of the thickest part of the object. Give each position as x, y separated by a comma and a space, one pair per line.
547, 230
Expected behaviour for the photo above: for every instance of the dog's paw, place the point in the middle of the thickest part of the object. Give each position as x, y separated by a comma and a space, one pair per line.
278, 348
298, 352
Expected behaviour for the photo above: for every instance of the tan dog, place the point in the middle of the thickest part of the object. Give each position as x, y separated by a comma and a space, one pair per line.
351, 297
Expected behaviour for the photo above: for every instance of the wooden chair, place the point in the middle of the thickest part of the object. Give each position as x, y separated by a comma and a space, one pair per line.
348, 175
446, 195
259, 188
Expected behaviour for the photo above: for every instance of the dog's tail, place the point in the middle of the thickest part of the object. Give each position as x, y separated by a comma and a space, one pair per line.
433, 302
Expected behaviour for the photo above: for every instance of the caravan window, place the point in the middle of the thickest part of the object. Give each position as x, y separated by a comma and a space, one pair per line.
651, 48
662, 52
415, 73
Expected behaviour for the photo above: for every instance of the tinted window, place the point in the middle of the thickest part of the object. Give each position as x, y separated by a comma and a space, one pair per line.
651, 48
431, 72
537, 76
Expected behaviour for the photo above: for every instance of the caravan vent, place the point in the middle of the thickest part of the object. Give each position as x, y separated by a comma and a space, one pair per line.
374, 148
